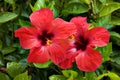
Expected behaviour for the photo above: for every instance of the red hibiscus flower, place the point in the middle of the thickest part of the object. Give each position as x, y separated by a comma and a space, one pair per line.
87, 59
47, 39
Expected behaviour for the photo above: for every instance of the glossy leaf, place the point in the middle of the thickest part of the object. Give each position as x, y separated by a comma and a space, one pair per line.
1, 44
24, 63
1, 59
57, 77
51, 5
96, 5
38, 5
7, 50
108, 8
115, 21
86, 1
56, 12
3, 76
75, 8
44, 65
7, 16
23, 76
111, 75
10, 1
24, 23
115, 57
115, 37
14, 69
90, 75
70, 74
104, 21
106, 51
10, 58
103, 1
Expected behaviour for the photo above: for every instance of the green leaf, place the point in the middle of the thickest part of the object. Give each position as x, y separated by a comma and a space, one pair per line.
104, 21
103, 1
23, 76
106, 51
10, 1
51, 5
24, 23
10, 58
111, 75
44, 65
7, 16
1, 59
86, 1
70, 74
32, 8
95, 5
90, 75
75, 8
24, 63
115, 37
56, 12
115, 21
4, 76
7, 50
115, 57
14, 69
0, 44
57, 77
38, 5
108, 8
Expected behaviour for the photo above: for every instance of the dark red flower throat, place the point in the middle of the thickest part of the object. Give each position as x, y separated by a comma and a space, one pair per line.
45, 36
81, 43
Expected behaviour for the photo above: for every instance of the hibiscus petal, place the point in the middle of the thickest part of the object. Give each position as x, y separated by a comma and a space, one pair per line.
88, 60
57, 50
38, 55
67, 63
55, 23
69, 59
41, 18
98, 36
27, 36
81, 24
64, 30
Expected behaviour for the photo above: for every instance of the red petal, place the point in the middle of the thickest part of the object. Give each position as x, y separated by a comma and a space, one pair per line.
57, 50
55, 23
88, 60
64, 30
98, 36
28, 37
42, 18
67, 63
81, 24
69, 59
38, 55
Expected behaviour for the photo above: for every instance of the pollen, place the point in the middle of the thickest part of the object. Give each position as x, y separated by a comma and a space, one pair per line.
72, 37
49, 42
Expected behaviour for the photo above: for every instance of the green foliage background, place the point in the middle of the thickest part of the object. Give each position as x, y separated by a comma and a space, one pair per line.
15, 14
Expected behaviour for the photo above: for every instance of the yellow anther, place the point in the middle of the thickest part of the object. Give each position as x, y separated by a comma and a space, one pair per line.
49, 42
72, 37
